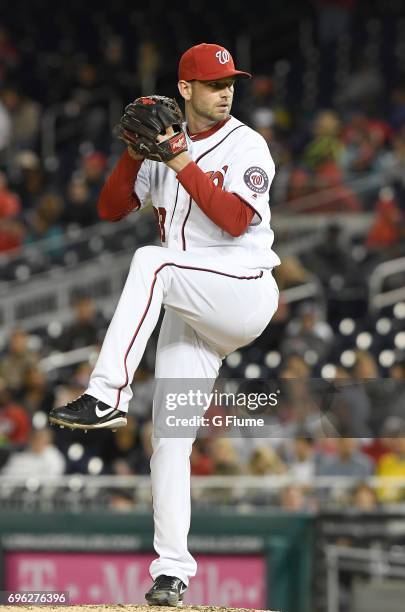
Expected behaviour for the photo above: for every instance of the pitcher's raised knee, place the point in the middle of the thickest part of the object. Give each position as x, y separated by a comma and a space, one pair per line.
149, 256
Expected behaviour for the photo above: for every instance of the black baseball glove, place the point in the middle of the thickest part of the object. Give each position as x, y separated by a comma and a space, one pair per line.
145, 119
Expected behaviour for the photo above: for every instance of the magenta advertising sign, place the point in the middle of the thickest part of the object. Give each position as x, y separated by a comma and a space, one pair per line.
237, 581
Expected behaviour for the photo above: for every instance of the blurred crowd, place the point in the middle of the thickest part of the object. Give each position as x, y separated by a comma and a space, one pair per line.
350, 425
341, 151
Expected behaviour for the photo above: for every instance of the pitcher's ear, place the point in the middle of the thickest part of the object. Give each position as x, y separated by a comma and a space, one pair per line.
185, 89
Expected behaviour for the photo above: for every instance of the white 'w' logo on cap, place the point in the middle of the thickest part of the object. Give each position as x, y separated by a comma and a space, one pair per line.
223, 56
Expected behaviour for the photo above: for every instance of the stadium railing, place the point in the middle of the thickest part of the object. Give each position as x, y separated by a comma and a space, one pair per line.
373, 562
378, 298
17, 491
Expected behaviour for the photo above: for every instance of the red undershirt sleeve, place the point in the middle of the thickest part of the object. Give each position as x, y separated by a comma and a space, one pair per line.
227, 210
117, 198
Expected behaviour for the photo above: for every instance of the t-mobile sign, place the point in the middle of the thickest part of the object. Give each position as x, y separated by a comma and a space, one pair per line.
237, 581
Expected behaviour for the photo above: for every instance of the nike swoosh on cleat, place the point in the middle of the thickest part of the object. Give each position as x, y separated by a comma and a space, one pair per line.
101, 413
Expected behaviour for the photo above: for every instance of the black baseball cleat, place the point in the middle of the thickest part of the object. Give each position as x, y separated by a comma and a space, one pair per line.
166, 591
87, 412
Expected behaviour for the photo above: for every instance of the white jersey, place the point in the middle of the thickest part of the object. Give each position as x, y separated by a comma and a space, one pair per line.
238, 159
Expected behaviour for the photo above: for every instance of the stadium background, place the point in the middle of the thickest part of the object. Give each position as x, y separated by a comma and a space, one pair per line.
306, 518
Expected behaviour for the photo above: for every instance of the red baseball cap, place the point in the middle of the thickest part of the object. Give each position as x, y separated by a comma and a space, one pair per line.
207, 62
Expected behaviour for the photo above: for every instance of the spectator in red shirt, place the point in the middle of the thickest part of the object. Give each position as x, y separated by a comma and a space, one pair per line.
333, 195
388, 227
15, 423
12, 234
9, 201
201, 463
11, 230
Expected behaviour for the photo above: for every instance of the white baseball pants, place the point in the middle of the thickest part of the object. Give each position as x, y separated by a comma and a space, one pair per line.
214, 305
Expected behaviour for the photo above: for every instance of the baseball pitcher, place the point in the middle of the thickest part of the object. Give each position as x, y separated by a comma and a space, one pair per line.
208, 179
